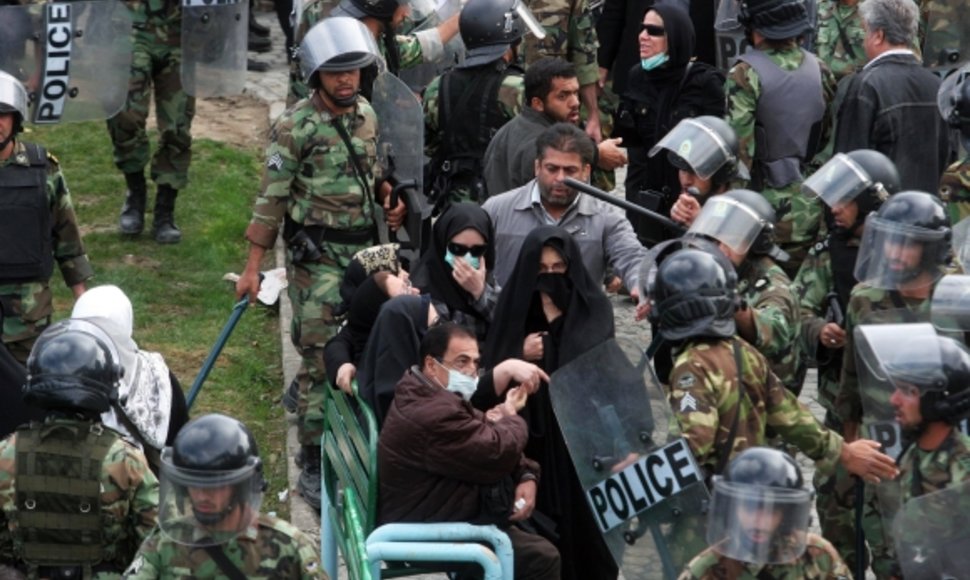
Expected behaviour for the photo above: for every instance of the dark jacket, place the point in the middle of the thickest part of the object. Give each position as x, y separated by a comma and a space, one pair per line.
436, 450
890, 106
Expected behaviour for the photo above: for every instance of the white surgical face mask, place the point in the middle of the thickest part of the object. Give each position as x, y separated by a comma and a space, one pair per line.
460, 383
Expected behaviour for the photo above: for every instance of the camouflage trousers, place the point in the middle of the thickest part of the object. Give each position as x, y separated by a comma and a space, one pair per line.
156, 65
799, 219
835, 503
314, 292
27, 312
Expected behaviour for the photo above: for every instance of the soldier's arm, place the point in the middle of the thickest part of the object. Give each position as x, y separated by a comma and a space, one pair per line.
309, 557
583, 46
811, 286
147, 564
848, 403
429, 102
8, 462
775, 318
143, 494
829, 88
511, 95
742, 90
283, 158
66, 236
694, 400
797, 426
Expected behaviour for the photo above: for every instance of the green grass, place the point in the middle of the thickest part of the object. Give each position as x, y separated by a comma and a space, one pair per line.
180, 300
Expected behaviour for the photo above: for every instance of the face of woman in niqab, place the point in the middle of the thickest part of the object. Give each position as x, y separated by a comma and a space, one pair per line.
653, 38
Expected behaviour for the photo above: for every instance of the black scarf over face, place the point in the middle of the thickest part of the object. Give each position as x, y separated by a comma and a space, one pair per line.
587, 317
432, 275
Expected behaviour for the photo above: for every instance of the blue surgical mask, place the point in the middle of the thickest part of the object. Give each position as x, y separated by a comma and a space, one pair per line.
460, 383
469, 259
654, 61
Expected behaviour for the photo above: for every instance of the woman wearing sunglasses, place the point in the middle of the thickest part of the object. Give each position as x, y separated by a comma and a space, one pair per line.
665, 87
456, 268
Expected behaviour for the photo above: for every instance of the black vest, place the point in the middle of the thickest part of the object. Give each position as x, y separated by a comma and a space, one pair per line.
26, 244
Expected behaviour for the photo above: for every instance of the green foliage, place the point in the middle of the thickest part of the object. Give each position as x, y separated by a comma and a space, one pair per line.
181, 302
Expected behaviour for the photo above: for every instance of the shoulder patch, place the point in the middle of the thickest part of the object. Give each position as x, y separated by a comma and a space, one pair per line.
274, 161
686, 381
688, 403
135, 566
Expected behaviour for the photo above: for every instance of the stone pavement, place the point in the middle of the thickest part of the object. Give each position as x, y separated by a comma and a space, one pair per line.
271, 87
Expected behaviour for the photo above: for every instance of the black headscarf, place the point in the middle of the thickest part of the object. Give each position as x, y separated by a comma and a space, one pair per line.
432, 275
587, 319
680, 45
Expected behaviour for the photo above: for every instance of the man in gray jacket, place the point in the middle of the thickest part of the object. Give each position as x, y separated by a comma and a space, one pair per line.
604, 235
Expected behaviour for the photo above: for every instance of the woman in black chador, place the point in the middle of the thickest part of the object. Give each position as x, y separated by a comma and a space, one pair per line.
550, 312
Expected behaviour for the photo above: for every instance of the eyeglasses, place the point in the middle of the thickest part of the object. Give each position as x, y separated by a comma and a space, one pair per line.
461, 250
652, 29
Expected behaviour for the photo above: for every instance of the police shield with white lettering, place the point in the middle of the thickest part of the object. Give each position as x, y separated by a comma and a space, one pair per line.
642, 483
428, 14
214, 41
73, 57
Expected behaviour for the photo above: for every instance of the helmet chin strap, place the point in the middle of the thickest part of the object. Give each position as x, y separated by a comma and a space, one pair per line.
345, 102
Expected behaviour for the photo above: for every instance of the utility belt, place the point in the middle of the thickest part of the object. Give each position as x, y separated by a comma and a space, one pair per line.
306, 242
72, 572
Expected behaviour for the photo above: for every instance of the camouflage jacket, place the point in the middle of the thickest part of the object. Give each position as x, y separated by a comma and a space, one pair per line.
839, 36
819, 562
35, 297
310, 175
706, 397
570, 35
767, 291
271, 548
863, 302
955, 190
922, 472
129, 496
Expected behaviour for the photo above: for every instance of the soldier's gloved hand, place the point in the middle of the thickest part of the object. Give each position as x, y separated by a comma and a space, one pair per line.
832, 336
525, 501
394, 216
863, 458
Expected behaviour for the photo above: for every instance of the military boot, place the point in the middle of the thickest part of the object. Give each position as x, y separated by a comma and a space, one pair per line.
309, 483
163, 226
132, 220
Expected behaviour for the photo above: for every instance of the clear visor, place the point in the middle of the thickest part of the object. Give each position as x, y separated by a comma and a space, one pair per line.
207, 508
757, 524
531, 22
961, 244
903, 355
892, 255
950, 306
698, 145
839, 181
337, 36
729, 222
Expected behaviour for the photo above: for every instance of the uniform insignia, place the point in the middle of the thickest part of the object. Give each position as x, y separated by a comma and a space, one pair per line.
275, 161
688, 403
686, 381
135, 566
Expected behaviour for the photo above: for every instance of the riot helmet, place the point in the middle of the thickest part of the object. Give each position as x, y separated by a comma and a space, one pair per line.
706, 146
953, 100
336, 44
382, 10
742, 220
489, 27
760, 511
693, 295
211, 482
907, 238
73, 367
13, 99
775, 19
864, 176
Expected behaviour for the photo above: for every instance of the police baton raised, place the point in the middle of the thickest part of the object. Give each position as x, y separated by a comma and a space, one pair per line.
210, 361
624, 204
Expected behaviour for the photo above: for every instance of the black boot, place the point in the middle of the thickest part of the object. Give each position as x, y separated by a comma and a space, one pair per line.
163, 226
255, 27
309, 482
132, 220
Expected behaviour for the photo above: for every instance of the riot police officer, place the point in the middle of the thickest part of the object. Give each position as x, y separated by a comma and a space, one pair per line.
212, 487
758, 524
82, 497
38, 227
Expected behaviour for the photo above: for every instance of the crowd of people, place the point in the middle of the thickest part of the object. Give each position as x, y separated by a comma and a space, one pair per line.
807, 207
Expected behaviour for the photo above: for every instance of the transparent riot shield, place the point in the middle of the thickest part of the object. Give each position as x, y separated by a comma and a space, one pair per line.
214, 41
961, 244
641, 481
400, 122
74, 58
947, 42
950, 305
425, 16
932, 537
729, 34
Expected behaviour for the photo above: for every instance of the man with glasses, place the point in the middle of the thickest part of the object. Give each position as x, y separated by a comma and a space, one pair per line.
604, 235
441, 460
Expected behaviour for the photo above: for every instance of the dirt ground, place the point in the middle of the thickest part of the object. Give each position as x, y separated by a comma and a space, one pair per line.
239, 120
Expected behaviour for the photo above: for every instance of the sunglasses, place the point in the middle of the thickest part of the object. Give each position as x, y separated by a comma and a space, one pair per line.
652, 29
461, 250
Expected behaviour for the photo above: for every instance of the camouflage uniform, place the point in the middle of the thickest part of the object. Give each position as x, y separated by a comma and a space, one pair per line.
570, 35
955, 190
310, 178
767, 291
922, 472
156, 60
272, 548
839, 37
942, 27
706, 397
798, 215
511, 94
28, 306
129, 497
410, 47
819, 562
